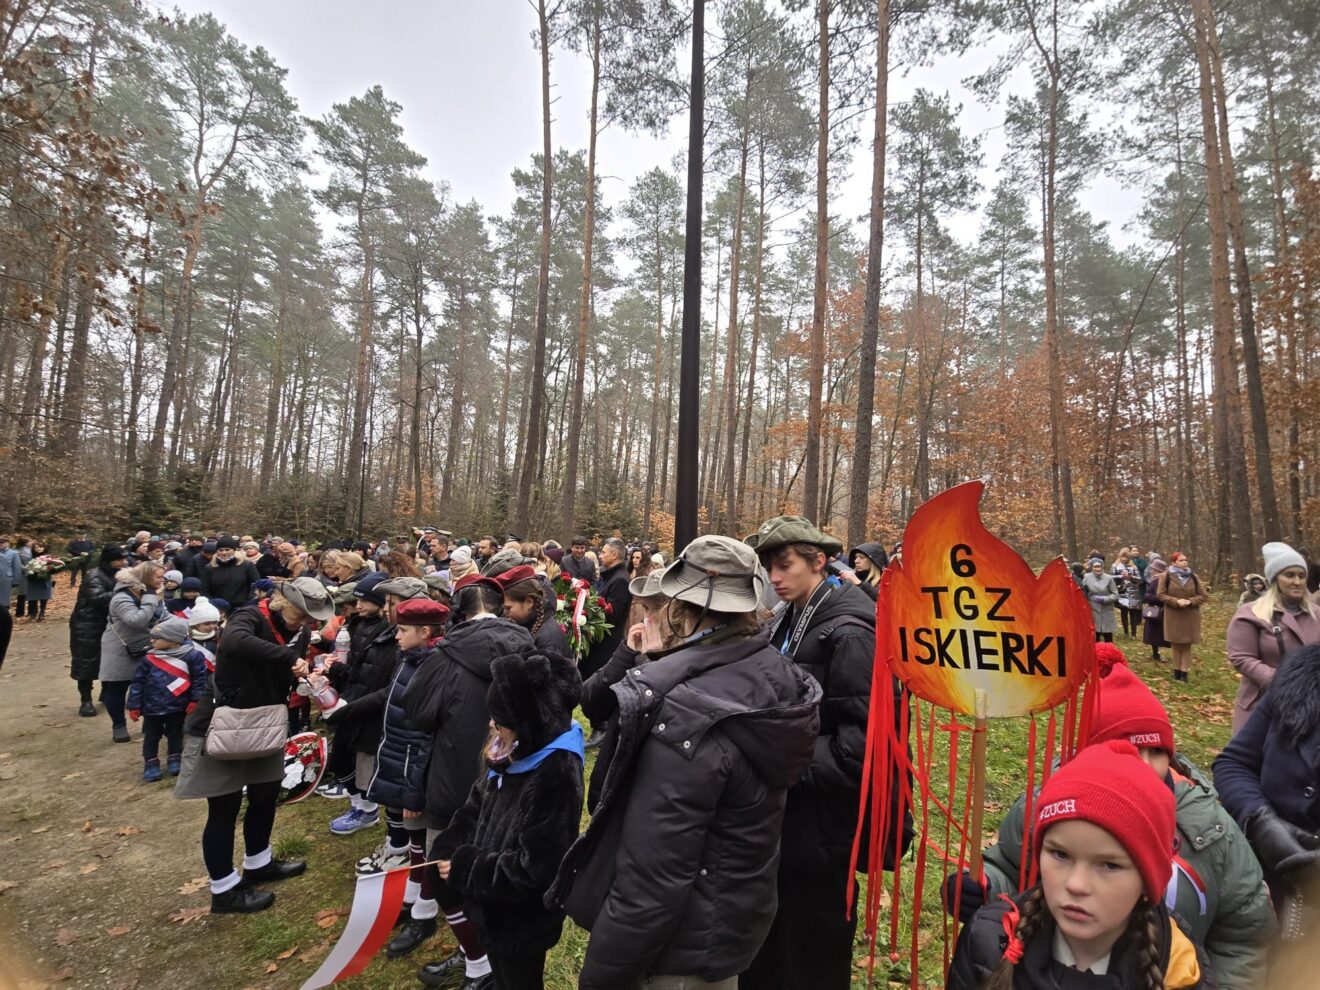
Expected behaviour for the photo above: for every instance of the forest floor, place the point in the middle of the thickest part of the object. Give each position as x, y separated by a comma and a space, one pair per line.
102, 886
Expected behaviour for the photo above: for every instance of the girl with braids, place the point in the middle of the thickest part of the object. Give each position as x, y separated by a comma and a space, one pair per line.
526, 603
1096, 918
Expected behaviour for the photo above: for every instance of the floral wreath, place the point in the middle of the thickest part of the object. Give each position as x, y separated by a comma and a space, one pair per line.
584, 617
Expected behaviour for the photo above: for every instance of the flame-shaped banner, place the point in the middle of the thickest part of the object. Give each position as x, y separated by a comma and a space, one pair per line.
963, 612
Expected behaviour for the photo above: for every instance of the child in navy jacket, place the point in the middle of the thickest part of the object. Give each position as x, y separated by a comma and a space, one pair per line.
166, 686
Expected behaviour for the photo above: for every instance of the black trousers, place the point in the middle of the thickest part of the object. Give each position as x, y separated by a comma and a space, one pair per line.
6, 630
222, 819
518, 972
170, 728
810, 943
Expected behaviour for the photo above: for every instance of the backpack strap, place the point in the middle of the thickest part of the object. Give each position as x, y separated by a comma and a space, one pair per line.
845, 620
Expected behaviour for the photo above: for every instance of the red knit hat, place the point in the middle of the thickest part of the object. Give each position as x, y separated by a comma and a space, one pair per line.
1127, 709
1108, 785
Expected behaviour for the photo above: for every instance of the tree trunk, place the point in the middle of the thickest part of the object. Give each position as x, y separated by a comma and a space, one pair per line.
816, 368
535, 435
859, 493
568, 498
731, 350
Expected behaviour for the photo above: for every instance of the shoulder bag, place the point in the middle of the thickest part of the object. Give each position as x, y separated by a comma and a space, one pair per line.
249, 733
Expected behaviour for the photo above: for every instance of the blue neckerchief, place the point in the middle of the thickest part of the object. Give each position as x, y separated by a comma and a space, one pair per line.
569, 742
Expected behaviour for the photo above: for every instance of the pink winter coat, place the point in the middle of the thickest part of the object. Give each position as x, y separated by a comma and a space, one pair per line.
1253, 650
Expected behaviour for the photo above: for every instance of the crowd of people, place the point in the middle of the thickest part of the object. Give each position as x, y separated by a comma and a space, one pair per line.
728, 706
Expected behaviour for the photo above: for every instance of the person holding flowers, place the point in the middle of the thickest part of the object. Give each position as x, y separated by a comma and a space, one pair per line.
613, 588
39, 572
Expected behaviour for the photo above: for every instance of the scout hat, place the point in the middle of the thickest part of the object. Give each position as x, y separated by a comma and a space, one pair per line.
782, 531
716, 572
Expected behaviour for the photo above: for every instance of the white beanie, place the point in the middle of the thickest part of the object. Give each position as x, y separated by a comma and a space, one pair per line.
462, 556
1278, 558
202, 611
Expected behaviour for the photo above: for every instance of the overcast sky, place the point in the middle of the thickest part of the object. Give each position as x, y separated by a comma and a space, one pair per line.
468, 76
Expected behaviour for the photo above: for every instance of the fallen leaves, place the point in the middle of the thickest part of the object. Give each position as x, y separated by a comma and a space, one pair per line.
54, 864
287, 953
272, 968
87, 826
65, 936
327, 918
43, 828
73, 776
185, 916
193, 886
118, 930
127, 830
7, 885
88, 868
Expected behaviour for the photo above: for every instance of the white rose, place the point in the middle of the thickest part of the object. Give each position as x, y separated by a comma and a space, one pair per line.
582, 620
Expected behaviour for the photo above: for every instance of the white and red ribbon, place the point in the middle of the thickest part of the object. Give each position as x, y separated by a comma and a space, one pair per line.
376, 905
171, 665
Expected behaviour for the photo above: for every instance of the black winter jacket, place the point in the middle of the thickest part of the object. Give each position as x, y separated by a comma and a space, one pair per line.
447, 698
87, 623
364, 682
601, 706
982, 942
676, 873
232, 581
838, 651
550, 638
575, 568
506, 843
252, 669
614, 589
400, 778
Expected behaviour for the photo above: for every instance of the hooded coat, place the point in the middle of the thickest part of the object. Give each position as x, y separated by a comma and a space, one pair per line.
982, 943
1253, 650
1236, 925
447, 698
87, 623
677, 872
875, 553
837, 651
1101, 586
506, 842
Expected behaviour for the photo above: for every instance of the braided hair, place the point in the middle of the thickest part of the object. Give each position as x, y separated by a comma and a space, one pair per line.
533, 588
1145, 929
1031, 916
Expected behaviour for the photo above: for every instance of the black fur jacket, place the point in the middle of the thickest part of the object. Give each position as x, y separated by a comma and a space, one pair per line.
505, 844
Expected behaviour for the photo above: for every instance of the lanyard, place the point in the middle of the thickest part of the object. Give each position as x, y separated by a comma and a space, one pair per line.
817, 599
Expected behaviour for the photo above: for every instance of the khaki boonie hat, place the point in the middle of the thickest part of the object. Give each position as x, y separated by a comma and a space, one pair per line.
781, 531
309, 595
716, 572
646, 587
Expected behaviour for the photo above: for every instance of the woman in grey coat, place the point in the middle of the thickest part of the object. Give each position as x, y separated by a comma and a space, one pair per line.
134, 608
1102, 593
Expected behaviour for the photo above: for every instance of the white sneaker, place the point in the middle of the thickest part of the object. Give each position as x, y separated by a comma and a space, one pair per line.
379, 862
333, 790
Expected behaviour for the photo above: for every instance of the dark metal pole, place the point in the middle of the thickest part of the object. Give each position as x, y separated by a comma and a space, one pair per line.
689, 369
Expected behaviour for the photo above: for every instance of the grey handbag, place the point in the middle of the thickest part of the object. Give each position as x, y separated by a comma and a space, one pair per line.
247, 733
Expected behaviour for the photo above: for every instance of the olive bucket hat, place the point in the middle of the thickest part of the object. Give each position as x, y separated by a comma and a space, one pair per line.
716, 572
782, 531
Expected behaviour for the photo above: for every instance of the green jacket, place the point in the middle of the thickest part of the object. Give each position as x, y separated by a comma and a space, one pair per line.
1237, 924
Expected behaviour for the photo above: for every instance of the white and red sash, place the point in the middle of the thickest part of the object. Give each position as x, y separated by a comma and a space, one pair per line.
178, 669
207, 652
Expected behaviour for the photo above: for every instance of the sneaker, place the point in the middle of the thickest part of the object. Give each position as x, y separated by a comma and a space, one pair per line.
354, 820
174, 763
151, 771
333, 790
379, 861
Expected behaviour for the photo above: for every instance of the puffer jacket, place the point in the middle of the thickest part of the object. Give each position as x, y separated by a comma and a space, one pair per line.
981, 946
447, 698
677, 872
87, 623
126, 637
400, 777
232, 581
1220, 891
506, 842
364, 683
838, 651
150, 691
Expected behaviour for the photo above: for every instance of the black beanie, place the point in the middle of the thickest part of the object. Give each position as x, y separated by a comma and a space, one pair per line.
112, 552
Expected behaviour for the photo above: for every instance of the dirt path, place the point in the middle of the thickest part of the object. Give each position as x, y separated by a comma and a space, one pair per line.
92, 860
